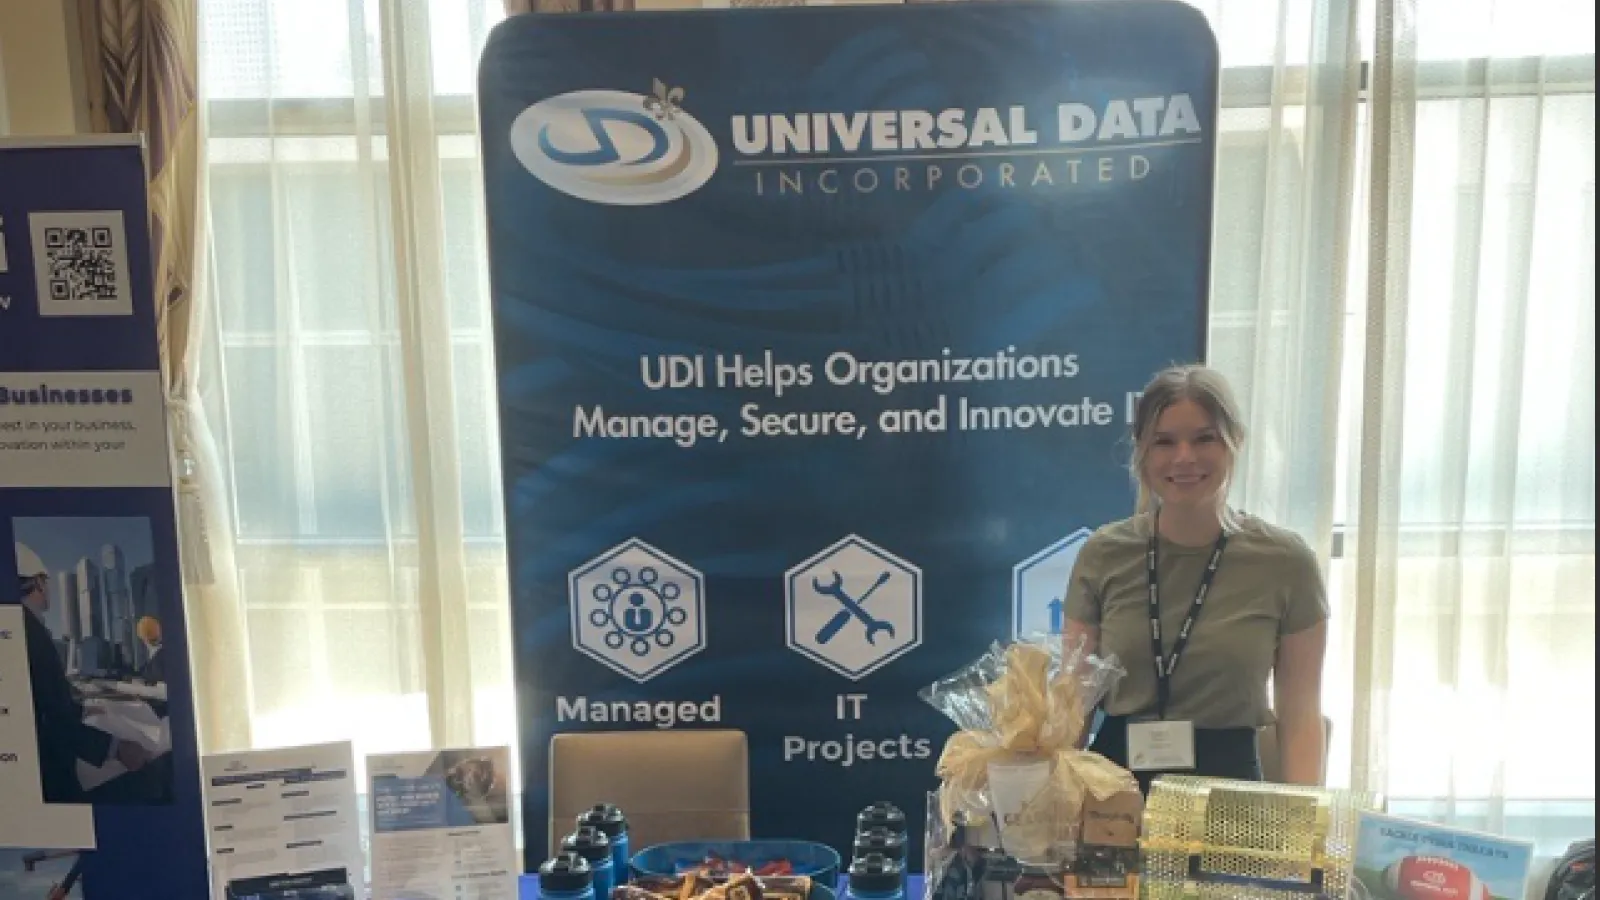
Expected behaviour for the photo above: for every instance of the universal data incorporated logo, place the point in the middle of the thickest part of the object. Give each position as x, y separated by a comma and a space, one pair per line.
615, 147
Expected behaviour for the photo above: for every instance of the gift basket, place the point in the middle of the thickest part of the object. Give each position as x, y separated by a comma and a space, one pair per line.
1018, 786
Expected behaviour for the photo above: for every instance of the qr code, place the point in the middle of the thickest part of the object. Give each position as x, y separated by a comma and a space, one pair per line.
81, 264
82, 267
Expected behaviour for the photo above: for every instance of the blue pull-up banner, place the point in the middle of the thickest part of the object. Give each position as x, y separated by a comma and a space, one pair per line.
99, 772
817, 331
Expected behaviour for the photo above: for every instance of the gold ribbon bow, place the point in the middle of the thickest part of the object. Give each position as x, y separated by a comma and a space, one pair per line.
1035, 717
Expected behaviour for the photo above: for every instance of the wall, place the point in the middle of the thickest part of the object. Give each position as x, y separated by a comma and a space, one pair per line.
40, 81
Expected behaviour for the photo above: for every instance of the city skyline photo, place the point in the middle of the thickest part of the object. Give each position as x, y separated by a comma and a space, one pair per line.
101, 585
95, 658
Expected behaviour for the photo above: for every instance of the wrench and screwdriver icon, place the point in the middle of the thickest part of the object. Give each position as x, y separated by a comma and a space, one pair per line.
852, 608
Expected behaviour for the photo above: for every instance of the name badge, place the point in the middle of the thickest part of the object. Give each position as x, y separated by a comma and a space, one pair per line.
1163, 746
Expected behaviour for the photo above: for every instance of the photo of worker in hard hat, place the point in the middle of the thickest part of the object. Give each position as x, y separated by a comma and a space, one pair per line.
95, 662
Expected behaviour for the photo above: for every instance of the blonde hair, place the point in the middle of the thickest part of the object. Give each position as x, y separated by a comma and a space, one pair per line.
1210, 391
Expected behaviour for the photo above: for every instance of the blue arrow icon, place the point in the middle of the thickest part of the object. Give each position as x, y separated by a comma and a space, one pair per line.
1039, 584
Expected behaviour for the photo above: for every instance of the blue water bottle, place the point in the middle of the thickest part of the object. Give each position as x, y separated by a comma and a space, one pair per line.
875, 877
593, 845
566, 877
884, 842
610, 820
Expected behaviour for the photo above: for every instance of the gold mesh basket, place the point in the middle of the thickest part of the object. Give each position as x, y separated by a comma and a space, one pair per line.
1211, 839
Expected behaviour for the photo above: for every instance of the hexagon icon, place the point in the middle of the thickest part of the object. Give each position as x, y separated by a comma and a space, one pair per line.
1039, 586
637, 610
854, 608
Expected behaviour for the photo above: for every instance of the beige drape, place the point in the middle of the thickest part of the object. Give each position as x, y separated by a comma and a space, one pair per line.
141, 59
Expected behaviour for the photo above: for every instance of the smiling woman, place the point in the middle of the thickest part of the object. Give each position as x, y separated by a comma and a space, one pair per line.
1187, 434
1185, 552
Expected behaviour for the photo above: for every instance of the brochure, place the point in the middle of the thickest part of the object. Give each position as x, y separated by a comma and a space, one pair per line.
441, 825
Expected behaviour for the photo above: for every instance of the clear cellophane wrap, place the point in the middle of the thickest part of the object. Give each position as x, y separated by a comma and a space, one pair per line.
1028, 702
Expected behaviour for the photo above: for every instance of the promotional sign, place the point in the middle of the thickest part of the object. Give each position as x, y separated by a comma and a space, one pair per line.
1402, 859
818, 334
98, 771
441, 825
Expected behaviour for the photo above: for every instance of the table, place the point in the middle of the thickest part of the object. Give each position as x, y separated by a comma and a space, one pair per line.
528, 887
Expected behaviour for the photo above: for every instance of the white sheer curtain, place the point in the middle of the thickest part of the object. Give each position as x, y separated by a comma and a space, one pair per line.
1285, 203
348, 369
1404, 296
1471, 415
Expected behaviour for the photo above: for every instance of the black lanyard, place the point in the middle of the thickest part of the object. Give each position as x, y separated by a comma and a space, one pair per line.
1166, 666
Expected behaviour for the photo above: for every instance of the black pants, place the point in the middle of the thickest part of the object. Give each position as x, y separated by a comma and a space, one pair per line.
1218, 752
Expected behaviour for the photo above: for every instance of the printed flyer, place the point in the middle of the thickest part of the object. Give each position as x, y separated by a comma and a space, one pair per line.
284, 823
441, 825
1403, 859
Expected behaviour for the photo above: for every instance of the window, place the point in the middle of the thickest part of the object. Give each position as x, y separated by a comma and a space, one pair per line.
331, 405
313, 377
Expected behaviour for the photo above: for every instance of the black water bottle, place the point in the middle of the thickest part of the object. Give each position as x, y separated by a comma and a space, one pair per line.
882, 814
875, 877
883, 842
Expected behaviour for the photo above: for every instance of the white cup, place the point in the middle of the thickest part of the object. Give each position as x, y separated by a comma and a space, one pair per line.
1012, 784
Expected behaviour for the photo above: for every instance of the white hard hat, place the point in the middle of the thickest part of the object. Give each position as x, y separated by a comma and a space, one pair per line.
28, 562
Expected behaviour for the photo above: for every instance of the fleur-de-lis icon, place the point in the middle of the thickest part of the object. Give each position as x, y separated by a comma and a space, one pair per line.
664, 102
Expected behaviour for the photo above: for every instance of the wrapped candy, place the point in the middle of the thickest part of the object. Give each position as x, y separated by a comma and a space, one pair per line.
1018, 761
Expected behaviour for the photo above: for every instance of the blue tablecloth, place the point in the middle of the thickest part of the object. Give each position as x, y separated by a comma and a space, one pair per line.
528, 887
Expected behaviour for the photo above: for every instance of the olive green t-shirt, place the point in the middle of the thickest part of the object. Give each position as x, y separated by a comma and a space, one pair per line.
1268, 584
